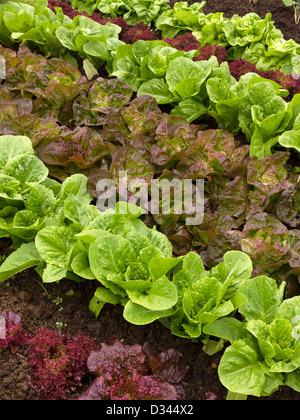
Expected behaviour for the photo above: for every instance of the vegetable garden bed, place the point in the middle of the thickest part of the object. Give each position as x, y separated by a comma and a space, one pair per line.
240, 188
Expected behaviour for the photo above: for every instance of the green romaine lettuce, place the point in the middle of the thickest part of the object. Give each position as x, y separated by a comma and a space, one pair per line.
265, 349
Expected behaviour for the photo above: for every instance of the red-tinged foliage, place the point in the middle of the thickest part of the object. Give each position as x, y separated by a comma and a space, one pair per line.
186, 42
297, 88
240, 67
58, 363
125, 373
166, 368
11, 331
285, 80
118, 359
210, 50
138, 33
142, 388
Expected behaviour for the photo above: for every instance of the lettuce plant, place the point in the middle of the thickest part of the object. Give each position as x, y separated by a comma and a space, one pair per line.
207, 296
58, 363
181, 18
56, 34
249, 37
137, 33
55, 228
264, 350
124, 373
12, 335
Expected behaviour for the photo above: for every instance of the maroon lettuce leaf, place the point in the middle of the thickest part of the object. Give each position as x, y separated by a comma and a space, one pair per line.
103, 97
267, 177
270, 244
142, 388
130, 373
137, 164
288, 206
214, 152
83, 146
106, 94
58, 363
137, 33
115, 128
166, 368
117, 360
11, 109
142, 116
221, 243
233, 201
33, 127
174, 136
99, 390
181, 241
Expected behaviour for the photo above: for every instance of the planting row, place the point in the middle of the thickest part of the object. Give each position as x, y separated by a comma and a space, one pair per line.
58, 231
248, 37
252, 104
251, 204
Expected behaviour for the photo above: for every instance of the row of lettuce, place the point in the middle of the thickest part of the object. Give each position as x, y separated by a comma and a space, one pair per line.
96, 128
62, 234
249, 37
252, 105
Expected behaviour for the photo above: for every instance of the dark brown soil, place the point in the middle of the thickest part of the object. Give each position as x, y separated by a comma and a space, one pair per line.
26, 294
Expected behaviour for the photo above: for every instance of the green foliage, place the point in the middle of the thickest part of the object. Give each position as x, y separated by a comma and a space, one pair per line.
133, 11
56, 229
291, 138
54, 33
69, 238
265, 347
249, 37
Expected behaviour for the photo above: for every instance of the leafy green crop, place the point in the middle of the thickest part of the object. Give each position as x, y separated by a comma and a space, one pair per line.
249, 37
291, 138
207, 296
133, 11
55, 227
54, 33
265, 348
170, 76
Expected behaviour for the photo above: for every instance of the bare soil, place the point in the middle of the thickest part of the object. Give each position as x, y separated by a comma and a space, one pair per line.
26, 294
